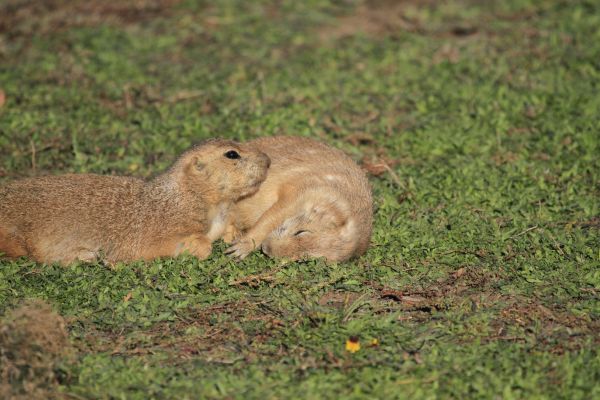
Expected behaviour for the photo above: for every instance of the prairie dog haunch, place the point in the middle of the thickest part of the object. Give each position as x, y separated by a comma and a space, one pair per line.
315, 202
87, 217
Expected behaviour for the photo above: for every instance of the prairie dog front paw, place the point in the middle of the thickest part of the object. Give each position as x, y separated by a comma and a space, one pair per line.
242, 247
231, 234
197, 245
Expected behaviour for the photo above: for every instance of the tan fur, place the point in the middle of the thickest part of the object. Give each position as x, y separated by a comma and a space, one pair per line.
310, 187
88, 217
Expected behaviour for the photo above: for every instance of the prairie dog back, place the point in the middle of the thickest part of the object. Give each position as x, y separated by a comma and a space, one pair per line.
315, 202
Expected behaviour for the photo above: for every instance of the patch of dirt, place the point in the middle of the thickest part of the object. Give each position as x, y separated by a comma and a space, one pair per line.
338, 299
553, 328
389, 17
221, 333
594, 223
515, 318
33, 341
376, 18
20, 18
463, 281
504, 157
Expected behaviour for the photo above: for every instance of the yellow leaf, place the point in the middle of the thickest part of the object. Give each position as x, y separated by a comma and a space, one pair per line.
352, 344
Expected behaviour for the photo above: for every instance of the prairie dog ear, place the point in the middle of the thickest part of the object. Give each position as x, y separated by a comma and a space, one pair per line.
339, 219
329, 215
197, 164
348, 230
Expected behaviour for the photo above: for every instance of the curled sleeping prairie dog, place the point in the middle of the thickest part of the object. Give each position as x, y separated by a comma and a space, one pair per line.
315, 202
89, 217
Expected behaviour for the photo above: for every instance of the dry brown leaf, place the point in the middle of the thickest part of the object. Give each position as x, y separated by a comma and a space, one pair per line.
459, 272
374, 168
360, 139
377, 166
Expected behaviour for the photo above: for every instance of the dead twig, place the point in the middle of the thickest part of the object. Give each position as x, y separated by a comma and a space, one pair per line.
524, 232
33, 154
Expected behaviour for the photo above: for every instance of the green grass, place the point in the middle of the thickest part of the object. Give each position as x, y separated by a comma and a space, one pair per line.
483, 276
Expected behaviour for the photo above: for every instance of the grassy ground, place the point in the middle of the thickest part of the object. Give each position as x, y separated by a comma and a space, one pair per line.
483, 276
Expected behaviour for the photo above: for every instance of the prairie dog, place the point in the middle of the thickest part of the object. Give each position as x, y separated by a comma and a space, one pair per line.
114, 218
315, 202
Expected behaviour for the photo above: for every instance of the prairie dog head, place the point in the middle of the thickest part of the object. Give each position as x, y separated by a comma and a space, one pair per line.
320, 229
226, 169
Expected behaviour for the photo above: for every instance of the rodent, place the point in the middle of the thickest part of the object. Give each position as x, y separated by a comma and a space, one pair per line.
315, 202
90, 217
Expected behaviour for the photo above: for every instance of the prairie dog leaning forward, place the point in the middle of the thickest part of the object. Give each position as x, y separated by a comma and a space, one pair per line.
88, 217
315, 202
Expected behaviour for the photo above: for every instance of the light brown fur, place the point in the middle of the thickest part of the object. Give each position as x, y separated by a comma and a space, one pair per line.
88, 217
315, 202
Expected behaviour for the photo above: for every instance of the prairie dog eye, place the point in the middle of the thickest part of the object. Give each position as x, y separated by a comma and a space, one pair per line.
232, 154
300, 232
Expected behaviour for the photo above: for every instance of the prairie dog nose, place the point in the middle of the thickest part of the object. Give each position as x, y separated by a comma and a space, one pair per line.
266, 248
